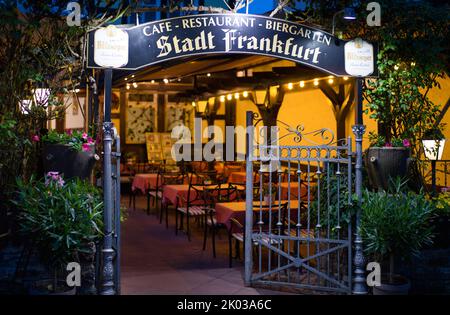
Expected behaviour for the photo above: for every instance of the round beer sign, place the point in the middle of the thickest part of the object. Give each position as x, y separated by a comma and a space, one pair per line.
111, 47
359, 58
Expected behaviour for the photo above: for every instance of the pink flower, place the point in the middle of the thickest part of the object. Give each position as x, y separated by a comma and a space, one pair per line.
90, 140
69, 132
406, 143
54, 177
388, 145
35, 138
86, 147
84, 136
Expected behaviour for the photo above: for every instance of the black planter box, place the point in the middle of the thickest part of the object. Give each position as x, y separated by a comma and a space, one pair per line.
384, 164
63, 159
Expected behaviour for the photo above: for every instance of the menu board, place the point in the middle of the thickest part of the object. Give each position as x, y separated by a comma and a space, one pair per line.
159, 146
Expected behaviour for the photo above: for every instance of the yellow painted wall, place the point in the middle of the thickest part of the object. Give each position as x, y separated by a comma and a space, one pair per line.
242, 106
310, 108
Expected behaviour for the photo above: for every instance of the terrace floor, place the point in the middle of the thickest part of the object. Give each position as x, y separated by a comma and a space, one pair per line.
156, 261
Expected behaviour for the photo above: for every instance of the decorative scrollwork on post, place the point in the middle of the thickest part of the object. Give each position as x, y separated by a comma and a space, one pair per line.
108, 129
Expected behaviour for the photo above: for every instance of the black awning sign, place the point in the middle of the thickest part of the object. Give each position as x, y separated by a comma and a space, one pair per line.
159, 41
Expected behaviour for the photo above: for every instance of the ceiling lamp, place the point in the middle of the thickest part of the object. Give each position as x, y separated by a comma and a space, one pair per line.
202, 106
260, 95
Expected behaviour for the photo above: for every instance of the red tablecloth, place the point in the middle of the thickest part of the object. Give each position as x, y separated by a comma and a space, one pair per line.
144, 182
172, 192
227, 210
294, 190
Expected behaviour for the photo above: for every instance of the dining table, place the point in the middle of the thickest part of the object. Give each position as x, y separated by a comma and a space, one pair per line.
174, 194
225, 211
144, 182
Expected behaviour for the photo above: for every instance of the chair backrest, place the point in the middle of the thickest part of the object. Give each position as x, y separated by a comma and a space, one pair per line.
172, 178
222, 193
270, 215
198, 195
208, 177
153, 167
263, 222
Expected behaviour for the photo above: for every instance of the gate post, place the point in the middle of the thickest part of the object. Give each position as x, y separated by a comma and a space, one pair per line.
108, 252
248, 200
359, 129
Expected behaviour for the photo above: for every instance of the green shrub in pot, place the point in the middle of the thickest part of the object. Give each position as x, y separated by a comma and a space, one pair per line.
395, 224
61, 218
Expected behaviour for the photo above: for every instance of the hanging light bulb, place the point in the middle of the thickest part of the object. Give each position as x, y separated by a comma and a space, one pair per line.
128, 86
208, 74
316, 82
152, 81
345, 78
135, 85
222, 98
166, 80
193, 104
229, 97
330, 80
236, 96
290, 86
245, 94
302, 84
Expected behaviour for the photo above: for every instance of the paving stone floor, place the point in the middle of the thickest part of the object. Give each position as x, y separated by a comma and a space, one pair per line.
156, 261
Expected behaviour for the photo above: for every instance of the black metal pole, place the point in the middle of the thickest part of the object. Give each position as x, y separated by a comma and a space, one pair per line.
433, 178
108, 252
359, 280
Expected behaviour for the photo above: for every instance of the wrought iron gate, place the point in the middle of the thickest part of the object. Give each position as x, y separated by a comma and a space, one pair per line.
299, 221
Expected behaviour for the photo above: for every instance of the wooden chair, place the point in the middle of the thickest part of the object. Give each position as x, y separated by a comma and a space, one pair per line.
227, 193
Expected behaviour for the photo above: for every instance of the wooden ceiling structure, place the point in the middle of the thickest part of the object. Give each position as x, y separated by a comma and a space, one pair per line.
217, 74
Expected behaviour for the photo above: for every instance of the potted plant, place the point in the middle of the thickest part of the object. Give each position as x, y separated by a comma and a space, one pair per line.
441, 222
63, 220
386, 160
71, 153
269, 193
394, 226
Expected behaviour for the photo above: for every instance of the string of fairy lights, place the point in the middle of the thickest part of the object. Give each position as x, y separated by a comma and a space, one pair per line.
291, 86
